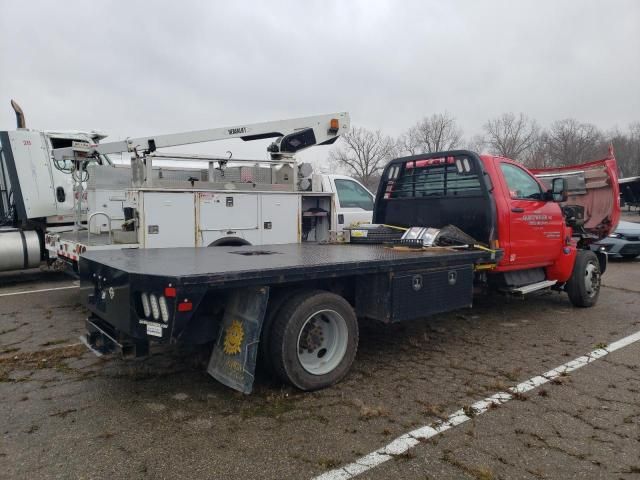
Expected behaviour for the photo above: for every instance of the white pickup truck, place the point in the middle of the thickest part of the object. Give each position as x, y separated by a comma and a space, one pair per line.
186, 216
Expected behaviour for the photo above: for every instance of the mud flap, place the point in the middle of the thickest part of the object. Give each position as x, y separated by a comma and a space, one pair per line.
233, 359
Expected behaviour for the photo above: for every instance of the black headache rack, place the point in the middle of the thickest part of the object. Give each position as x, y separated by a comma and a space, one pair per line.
435, 190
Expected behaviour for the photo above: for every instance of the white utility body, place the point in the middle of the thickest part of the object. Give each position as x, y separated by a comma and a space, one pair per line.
231, 202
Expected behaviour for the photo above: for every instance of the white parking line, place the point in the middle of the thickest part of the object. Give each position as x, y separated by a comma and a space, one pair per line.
409, 440
24, 292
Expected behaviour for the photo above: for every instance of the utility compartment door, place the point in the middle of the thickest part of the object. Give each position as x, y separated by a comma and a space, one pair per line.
228, 215
169, 219
280, 218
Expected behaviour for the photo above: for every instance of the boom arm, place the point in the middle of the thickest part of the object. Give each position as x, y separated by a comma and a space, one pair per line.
292, 135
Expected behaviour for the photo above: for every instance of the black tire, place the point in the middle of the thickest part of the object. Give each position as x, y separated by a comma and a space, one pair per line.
586, 265
288, 327
264, 349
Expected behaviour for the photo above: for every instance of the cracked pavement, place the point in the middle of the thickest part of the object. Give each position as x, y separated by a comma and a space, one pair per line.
65, 413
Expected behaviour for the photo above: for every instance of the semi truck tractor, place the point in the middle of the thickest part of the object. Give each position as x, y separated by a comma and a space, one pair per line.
295, 307
37, 193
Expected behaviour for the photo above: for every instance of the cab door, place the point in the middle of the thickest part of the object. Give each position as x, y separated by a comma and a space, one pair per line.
536, 225
354, 202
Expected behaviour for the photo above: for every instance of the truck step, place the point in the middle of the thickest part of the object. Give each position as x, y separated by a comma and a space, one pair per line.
534, 287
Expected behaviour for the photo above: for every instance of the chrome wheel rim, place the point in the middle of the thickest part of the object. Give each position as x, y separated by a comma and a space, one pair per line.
322, 342
592, 279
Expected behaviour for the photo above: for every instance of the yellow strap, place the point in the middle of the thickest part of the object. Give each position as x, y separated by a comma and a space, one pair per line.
482, 247
393, 226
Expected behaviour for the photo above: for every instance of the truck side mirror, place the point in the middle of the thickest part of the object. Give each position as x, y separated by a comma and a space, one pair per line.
559, 190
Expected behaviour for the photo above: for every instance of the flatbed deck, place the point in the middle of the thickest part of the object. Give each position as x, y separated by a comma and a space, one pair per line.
269, 264
222, 294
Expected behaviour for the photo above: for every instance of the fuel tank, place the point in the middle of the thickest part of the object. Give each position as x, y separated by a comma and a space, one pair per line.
19, 249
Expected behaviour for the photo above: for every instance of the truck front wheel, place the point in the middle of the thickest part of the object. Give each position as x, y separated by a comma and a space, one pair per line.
583, 287
313, 340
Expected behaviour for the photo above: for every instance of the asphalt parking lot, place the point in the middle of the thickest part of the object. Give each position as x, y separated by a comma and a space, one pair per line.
68, 414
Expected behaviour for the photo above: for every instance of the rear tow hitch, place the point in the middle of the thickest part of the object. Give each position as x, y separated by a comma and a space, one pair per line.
103, 340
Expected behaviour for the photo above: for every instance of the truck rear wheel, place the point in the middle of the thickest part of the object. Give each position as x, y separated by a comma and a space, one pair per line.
276, 301
583, 287
313, 340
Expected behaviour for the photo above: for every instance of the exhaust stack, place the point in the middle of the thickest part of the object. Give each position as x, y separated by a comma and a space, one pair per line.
19, 115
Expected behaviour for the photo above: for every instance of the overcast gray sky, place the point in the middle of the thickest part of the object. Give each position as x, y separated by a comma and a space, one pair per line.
135, 68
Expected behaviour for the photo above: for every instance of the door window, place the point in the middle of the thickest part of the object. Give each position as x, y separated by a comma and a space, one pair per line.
353, 195
521, 184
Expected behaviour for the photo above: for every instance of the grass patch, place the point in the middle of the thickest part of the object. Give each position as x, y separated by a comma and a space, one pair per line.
519, 396
272, 406
53, 342
53, 358
408, 455
328, 463
368, 412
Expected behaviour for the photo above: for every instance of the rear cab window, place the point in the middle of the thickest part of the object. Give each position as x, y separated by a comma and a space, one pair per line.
434, 177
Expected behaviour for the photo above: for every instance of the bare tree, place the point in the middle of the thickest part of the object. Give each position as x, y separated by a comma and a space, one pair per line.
569, 142
432, 134
512, 136
626, 146
477, 144
363, 153
537, 156
408, 143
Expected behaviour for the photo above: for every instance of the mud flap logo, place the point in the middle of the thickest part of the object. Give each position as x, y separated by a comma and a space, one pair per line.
233, 338
233, 358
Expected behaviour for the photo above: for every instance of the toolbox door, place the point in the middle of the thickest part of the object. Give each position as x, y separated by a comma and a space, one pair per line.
169, 219
224, 215
411, 295
280, 218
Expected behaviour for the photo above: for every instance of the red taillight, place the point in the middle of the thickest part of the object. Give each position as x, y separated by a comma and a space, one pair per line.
389, 189
185, 306
170, 292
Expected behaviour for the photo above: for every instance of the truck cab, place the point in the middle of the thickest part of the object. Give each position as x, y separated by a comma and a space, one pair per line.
37, 193
353, 202
39, 186
542, 220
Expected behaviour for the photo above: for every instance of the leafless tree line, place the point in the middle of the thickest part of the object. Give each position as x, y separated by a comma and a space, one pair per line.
565, 142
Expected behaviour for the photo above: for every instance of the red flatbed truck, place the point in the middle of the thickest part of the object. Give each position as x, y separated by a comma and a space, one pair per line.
298, 304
